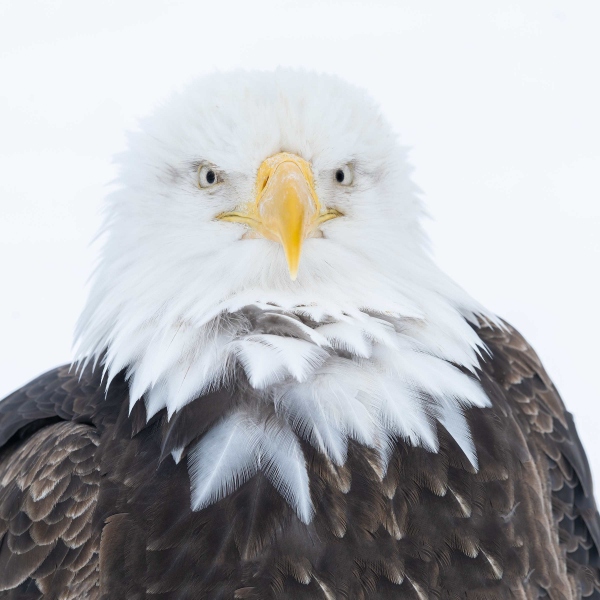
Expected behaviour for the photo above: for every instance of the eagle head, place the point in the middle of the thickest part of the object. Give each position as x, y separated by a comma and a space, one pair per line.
266, 234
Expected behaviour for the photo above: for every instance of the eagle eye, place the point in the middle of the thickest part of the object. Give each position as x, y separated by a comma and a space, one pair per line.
207, 176
344, 175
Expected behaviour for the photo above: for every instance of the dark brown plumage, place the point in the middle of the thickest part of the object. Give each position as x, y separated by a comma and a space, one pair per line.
92, 504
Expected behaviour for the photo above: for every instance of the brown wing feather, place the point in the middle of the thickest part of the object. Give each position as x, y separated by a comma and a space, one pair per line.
561, 464
50, 430
49, 487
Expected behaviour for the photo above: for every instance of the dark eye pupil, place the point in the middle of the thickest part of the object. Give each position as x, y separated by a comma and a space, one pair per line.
210, 177
339, 175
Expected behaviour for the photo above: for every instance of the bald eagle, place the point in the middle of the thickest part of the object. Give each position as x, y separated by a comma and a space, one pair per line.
277, 394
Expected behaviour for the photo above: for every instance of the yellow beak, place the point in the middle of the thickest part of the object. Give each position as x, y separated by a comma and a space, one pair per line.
286, 207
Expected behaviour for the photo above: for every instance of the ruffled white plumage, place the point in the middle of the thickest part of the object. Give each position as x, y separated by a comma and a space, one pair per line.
227, 456
327, 396
235, 449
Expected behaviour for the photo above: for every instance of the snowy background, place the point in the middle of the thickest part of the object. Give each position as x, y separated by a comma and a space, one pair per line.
500, 102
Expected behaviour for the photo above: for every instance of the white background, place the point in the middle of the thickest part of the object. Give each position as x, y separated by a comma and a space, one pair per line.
500, 102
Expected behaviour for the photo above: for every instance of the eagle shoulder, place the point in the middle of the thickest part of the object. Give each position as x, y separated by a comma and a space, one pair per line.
516, 380
50, 432
49, 485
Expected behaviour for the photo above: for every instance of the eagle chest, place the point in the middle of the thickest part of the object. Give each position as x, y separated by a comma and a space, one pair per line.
430, 523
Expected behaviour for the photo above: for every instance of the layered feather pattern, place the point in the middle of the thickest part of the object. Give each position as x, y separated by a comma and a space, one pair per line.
524, 526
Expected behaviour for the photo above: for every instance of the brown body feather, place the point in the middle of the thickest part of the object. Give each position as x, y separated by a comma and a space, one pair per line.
92, 504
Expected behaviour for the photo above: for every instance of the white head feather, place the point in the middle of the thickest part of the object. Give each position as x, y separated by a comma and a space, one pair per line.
374, 323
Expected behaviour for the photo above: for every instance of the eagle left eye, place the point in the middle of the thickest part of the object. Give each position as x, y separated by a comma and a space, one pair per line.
207, 176
343, 175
